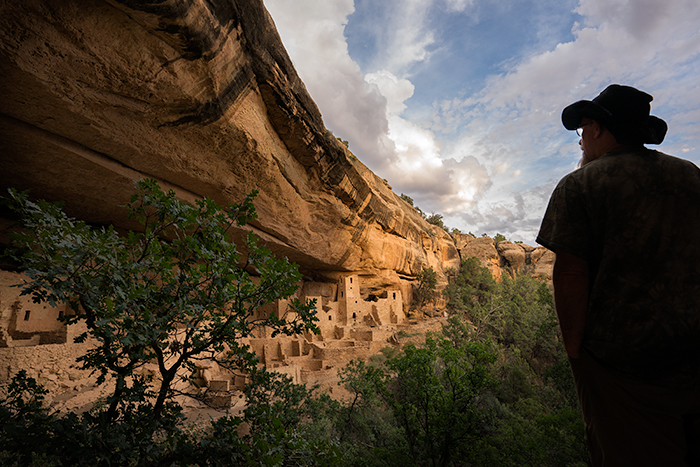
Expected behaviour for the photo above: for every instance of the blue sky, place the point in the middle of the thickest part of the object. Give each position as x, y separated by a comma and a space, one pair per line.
457, 103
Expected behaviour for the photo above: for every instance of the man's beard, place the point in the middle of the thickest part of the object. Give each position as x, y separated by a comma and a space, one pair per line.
584, 160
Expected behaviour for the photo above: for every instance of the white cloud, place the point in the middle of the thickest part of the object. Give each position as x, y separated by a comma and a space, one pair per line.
410, 39
366, 110
353, 109
516, 117
395, 90
507, 133
458, 5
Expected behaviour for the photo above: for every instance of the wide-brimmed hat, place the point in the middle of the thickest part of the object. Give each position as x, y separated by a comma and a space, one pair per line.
624, 111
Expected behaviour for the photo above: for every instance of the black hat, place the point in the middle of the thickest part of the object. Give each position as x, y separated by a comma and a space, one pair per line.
624, 111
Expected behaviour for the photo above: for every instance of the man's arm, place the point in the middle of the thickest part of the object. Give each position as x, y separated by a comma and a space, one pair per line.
570, 279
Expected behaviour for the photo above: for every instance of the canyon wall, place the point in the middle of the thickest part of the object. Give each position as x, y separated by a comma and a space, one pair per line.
203, 97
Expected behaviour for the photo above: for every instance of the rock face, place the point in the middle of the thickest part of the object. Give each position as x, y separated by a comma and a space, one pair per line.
202, 96
506, 256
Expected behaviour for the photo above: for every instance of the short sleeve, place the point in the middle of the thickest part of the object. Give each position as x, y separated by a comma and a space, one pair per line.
566, 224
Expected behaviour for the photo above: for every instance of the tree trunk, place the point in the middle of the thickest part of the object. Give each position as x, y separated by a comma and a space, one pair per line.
168, 377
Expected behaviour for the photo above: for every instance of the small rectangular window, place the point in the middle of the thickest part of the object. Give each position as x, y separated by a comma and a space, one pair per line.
26, 315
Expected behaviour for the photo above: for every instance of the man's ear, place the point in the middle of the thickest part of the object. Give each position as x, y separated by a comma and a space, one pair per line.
598, 129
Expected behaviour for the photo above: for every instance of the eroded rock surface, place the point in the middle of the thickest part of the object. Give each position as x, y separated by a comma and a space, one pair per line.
202, 96
505, 256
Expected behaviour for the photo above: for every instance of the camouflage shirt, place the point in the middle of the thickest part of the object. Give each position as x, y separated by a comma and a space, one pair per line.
635, 218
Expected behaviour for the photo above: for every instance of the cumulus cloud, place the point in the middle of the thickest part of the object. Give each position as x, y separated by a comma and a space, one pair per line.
366, 110
489, 159
435, 183
395, 90
352, 108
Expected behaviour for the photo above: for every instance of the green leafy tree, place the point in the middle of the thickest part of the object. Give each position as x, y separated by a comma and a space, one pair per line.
499, 238
536, 418
437, 395
33, 436
367, 429
175, 292
407, 198
436, 219
426, 290
473, 284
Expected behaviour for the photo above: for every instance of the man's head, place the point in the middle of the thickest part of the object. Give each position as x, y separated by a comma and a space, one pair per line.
595, 140
621, 110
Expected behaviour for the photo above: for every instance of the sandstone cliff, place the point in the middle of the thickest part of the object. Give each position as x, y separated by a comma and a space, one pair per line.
202, 96
506, 257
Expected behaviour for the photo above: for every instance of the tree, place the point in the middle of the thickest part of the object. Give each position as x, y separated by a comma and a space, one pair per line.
499, 238
436, 219
427, 282
407, 198
436, 393
175, 292
472, 285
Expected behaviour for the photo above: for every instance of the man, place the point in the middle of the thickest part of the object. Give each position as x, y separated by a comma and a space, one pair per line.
625, 228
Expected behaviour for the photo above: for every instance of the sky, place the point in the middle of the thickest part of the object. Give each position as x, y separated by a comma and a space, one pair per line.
457, 103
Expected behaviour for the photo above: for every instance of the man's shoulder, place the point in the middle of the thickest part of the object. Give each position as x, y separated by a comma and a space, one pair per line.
642, 156
676, 162
638, 165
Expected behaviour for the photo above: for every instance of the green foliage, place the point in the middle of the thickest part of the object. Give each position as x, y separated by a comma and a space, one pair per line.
426, 291
282, 421
499, 238
407, 198
32, 436
539, 422
174, 292
494, 389
472, 285
436, 219
369, 434
436, 397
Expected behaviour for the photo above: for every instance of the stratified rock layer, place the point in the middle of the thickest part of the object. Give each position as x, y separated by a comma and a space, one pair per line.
202, 96
513, 258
